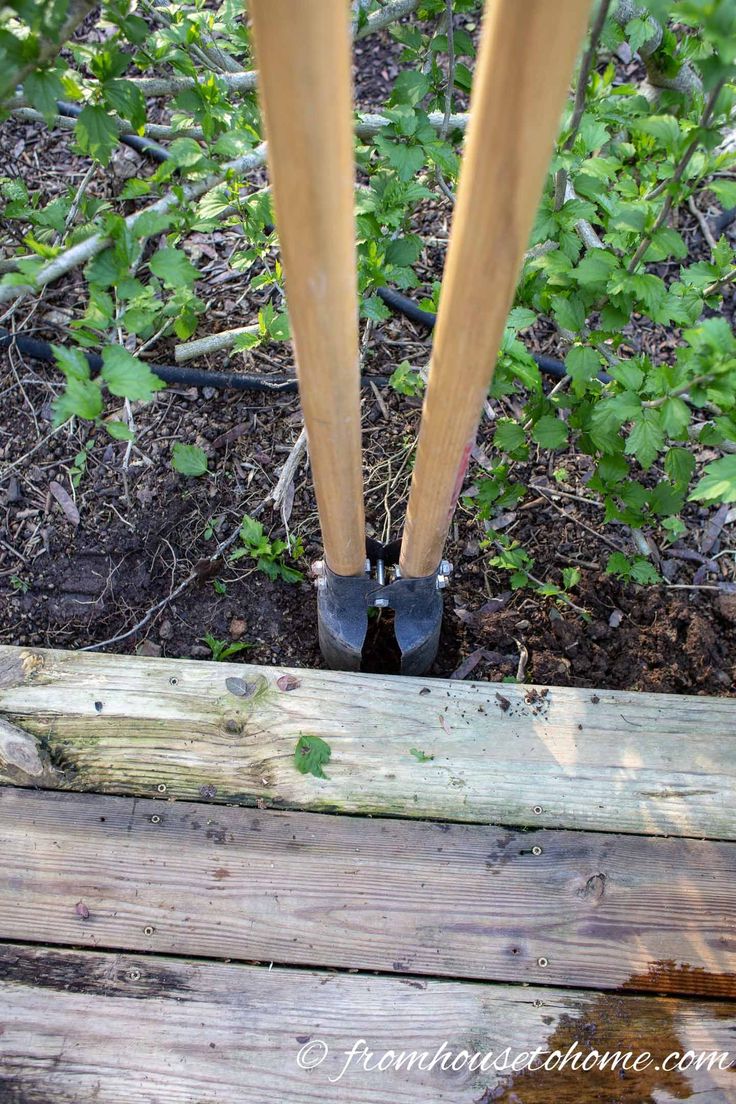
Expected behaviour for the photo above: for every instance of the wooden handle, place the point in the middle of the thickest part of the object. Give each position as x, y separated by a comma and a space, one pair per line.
526, 58
304, 73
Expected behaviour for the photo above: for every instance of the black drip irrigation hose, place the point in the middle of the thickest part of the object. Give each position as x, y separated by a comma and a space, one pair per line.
410, 310
172, 373
140, 145
720, 222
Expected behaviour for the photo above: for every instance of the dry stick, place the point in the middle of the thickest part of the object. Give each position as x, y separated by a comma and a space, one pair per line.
84, 251
304, 62
526, 58
366, 126
212, 343
585, 67
444, 128
702, 222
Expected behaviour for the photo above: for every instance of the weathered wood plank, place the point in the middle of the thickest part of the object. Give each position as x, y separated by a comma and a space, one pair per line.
603, 760
82, 1027
556, 907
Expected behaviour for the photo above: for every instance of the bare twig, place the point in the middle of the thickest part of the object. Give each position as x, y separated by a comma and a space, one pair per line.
702, 222
585, 67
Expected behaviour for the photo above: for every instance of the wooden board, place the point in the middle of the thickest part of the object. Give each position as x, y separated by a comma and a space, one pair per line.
565, 908
82, 1027
606, 760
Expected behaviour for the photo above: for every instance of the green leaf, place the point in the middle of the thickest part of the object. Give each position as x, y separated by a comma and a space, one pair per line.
119, 431
173, 267
43, 88
310, 755
404, 251
646, 437
638, 31
96, 133
679, 464
409, 88
664, 128
189, 460
521, 318
405, 159
72, 362
724, 190
613, 468
374, 308
609, 415
628, 374
550, 432
509, 436
675, 416
595, 269
719, 482
80, 398
421, 756
666, 499
643, 572
570, 577
128, 377
123, 97
569, 313
582, 364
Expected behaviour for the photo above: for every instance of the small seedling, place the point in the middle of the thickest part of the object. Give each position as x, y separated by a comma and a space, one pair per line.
221, 649
421, 756
21, 585
406, 381
268, 554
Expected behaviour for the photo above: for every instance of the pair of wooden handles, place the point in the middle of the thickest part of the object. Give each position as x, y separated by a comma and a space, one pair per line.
303, 50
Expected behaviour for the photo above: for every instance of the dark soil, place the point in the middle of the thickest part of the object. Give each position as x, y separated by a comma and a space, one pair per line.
70, 583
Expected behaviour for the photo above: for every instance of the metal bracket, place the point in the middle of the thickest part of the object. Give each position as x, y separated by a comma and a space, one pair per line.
343, 603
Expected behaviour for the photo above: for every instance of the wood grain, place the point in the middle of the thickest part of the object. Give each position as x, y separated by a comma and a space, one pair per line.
566, 908
604, 760
525, 63
89, 1028
305, 90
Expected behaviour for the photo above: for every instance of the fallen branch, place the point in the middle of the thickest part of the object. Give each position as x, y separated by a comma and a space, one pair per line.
213, 343
84, 251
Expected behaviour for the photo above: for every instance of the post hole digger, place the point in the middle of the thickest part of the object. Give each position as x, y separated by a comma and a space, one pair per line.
525, 62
